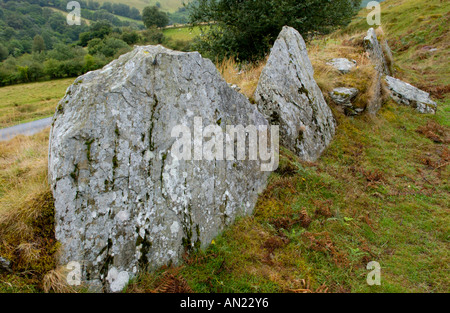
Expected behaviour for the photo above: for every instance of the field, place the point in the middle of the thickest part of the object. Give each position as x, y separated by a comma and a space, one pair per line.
379, 193
123, 18
182, 33
28, 102
166, 5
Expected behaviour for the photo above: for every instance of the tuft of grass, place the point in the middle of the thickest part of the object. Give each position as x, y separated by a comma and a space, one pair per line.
246, 76
363, 77
28, 241
27, 237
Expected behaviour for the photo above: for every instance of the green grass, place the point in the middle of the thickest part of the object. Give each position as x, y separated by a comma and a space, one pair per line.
166, 5
27, 102
182, 33
384, 205
380, 191
123, 18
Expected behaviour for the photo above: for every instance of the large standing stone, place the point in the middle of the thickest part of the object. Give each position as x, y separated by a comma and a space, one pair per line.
288, 96
123, 201
406, 94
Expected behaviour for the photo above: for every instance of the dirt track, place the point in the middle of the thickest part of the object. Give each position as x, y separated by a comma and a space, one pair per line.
24, 129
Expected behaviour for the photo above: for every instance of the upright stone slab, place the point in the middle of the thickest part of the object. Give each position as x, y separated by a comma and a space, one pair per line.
288, 95
123, 201
377, 55
375, 50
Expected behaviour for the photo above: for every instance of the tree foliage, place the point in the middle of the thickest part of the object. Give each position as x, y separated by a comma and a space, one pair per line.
38, 43
152, 16
246, 28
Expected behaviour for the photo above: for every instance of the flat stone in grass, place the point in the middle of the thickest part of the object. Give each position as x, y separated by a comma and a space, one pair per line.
344, 96
343, 65
406, 94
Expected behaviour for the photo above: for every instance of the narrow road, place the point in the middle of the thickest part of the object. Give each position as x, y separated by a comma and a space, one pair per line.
25, 129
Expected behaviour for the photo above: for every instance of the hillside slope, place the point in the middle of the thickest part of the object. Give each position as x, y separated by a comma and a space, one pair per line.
413, 28
166, 5
379, 193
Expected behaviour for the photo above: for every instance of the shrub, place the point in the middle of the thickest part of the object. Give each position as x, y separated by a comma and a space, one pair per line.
247, 28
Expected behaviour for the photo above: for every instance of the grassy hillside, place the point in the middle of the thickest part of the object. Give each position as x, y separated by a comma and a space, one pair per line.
182, 33
27, 102
166, 5
413, 27
379, 193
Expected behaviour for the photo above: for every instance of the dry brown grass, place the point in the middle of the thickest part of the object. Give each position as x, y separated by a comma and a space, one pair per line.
244, 76
363, 77
56, 281
27, 209
23, 166
169, 281
23, 176
435, 132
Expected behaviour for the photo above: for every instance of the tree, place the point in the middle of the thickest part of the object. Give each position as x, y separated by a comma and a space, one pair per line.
153, 36
38, 44
107, 6
130, 36
152, 16
135, 14
3, 52
246, 28
108, 47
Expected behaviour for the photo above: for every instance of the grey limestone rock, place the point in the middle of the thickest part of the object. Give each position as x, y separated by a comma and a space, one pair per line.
288, 96
343, 65
376, 55
5, 265
344, 96
406, 94
375, 50
124, 202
